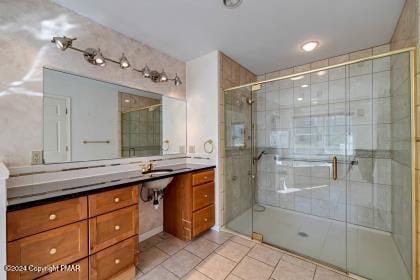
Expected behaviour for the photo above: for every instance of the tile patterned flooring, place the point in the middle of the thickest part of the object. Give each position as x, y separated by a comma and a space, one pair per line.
222, 255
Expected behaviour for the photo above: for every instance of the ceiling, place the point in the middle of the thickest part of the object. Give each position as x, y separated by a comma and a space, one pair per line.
263, 36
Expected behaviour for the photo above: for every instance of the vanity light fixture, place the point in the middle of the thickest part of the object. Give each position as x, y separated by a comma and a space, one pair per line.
310, 46
163, 77
177, 80
146, 71
62, 42
124, 64
95, 57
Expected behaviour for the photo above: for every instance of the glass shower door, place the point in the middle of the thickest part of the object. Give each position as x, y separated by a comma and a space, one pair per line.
300, 165
238, 139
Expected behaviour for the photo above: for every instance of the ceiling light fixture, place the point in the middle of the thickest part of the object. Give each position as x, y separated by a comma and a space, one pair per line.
124, 64
300, 99
304, 86
296, 78
321, 73
231, 4
95, 57
310, 46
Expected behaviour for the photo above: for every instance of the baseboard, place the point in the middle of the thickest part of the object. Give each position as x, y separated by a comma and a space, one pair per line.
216, 227
150, 233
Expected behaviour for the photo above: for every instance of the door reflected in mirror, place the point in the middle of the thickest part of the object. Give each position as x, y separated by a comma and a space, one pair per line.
87, 119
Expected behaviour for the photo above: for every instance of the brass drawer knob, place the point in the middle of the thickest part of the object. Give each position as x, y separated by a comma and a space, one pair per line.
117, 261
53, 251
117, 199
205, 219
117, 227
53, 217
205, 195
205, 177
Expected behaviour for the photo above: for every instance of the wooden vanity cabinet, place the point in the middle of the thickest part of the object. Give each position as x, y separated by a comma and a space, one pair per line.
188, 204
99, 232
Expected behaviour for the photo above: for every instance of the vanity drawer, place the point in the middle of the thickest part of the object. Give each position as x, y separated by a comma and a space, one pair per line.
115, 259
203, 195
82, 274
108, 229
202, 177
63, 245
105, 202
203, 220
37, 219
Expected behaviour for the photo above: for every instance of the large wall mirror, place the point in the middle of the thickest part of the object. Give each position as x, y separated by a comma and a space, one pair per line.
87, 119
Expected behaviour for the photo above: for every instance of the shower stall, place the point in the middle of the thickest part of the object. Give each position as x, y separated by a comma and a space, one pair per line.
320, 163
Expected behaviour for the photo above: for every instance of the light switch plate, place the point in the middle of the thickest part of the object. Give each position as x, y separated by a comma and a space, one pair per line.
36, 157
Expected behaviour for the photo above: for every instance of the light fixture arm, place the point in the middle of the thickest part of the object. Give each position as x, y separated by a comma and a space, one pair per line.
153, 75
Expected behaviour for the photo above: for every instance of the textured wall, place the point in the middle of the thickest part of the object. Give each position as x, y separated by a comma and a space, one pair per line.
26, 28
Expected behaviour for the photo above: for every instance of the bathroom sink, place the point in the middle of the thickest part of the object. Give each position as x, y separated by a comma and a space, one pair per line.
159, 184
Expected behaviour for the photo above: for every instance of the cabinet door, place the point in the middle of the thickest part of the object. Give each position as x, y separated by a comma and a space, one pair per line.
81, 274
37, 219
203, 195
113, 260
108, 201
202, 177
63, 245
108, 229
203, 220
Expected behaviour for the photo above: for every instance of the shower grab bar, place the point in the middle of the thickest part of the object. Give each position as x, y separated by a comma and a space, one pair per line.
351, 162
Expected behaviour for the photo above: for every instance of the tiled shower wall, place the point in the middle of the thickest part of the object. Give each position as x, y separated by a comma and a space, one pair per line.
406, 35
312, 122
235, 189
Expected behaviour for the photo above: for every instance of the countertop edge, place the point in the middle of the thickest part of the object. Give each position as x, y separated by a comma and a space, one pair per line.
75, 194
4, 172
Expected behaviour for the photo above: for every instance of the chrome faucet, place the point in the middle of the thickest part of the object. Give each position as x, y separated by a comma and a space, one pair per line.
147, 167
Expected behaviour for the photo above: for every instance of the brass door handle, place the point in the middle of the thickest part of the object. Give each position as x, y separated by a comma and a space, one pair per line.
334, 168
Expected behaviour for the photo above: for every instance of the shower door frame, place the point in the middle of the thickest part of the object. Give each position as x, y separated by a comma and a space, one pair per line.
413, 63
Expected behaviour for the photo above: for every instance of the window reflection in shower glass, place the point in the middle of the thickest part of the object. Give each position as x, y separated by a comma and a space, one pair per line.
238, 135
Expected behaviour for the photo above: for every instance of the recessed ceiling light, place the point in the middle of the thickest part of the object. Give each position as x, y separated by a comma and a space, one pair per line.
127, 101
304, 86
231, 4
300, 99
296, 78
321, 73
310, 46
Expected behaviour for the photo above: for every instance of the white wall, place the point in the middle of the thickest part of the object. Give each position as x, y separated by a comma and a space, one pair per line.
202, 109
174, 122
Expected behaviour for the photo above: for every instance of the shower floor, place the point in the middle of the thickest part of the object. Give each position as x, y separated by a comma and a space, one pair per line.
370, 253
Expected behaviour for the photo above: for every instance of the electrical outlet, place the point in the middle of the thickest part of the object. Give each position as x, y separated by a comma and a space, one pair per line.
36, 157
191, 149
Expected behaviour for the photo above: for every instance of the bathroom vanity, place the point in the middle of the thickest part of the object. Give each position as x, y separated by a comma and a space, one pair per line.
98, 229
